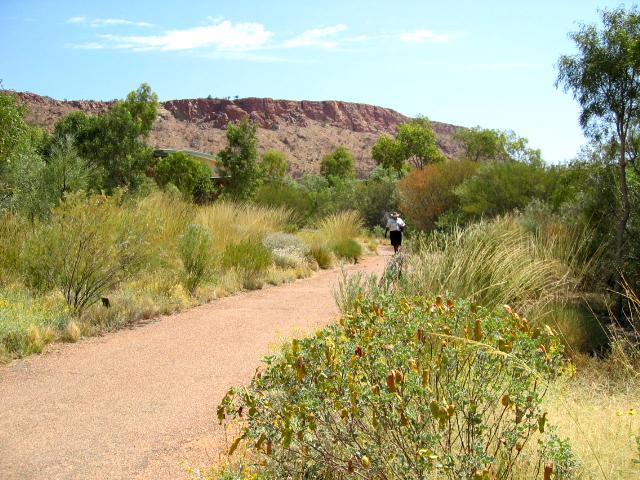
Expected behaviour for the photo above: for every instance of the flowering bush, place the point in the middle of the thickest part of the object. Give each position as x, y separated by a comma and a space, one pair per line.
402, 387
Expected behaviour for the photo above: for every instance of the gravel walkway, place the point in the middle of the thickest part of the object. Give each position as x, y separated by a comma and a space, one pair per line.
140, 403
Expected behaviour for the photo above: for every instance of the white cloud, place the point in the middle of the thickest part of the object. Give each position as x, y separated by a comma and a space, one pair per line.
85, 46
224, 35
79, 19
316, 37
106, 22
425, 35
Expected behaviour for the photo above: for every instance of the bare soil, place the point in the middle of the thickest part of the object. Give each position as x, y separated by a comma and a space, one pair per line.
140, 403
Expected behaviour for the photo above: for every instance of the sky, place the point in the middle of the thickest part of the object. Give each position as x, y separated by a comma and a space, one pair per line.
467, 62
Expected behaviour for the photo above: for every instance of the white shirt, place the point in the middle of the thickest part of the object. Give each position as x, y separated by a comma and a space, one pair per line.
395, 224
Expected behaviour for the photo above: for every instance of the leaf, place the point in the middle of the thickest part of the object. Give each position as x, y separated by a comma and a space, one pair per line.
235, 444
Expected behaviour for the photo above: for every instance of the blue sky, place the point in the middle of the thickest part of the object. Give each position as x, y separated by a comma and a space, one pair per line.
470, 62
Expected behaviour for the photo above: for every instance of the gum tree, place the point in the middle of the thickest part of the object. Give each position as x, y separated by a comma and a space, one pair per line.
604, 77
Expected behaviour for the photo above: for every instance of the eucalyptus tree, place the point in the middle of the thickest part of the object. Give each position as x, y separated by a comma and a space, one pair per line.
604, 77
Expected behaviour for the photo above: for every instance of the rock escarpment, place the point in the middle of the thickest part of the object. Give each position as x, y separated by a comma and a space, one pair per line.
305, 130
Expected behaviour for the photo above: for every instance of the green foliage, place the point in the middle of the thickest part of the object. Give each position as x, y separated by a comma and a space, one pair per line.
14, 131
251, 259
480, 144
274, 166
239, 160
498, 188
376, 196
402, 387
65, 170
387, 153
428, 193
348, 249
89, 246
418, 143
338, 164
113, 143
604, 77
414, 143
195, 252
28, 323
190, 175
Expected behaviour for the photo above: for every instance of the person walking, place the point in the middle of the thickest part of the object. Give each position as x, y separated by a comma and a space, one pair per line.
395, 225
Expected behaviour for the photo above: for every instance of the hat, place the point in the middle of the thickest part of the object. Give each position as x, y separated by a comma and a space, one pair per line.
394, 214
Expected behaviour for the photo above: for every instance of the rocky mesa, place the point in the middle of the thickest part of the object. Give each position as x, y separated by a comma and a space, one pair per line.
304, 130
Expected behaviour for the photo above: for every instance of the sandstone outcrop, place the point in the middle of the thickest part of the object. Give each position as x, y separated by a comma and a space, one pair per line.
305, 130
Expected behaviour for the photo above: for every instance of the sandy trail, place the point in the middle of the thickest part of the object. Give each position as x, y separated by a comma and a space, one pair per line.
140, 403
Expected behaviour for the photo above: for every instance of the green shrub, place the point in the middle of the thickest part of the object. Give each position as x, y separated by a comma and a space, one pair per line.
250, 259
13, 231
497, 188
28, 323
195, 252
348, 249
190, 175
338, 164
88, 247
402, 387
321, 253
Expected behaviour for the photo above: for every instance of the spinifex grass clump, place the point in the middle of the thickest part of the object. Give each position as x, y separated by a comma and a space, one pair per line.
194, 248
402, 387
250, 259
348, 249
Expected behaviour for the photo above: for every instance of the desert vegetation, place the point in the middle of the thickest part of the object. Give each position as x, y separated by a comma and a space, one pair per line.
503, 341
97, 233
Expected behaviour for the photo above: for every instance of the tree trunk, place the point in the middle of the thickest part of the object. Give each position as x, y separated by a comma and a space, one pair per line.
622, 226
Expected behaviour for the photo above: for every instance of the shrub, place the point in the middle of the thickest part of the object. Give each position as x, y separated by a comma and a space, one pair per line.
339, 164
289, 251
348, 249
250, 259
13, 231
402, 387
195, 251
90, 245
239, 160
321, 254
428, 193
190, 175
28, 323
498, 187
273, 166
376, 196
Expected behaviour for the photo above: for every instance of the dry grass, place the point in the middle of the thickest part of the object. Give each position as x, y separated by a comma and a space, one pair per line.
497, 262
230, 223
600, 415
341, 226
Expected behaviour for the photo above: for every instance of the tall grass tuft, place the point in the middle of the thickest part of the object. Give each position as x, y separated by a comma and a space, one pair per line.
498, 262
230, 223
341, 226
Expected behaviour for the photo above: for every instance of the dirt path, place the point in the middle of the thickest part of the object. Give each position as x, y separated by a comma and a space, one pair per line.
140, 403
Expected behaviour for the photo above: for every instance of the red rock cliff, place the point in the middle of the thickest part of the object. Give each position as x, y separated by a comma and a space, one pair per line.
305, 130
